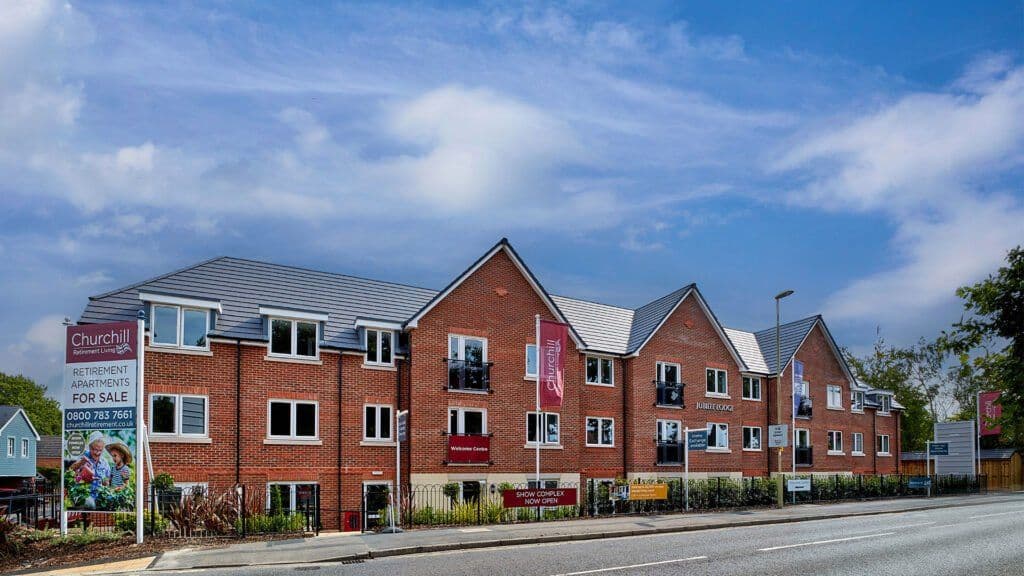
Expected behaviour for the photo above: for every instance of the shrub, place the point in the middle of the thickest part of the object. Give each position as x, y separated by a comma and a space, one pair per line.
272, 523
162, 481
152, 524
91, 537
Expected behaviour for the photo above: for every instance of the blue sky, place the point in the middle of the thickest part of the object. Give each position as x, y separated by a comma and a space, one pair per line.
867, 155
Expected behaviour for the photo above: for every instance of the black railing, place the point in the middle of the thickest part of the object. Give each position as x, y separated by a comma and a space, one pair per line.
839, 487
468, 375
670, 453
804, 456
670, 393
805, 408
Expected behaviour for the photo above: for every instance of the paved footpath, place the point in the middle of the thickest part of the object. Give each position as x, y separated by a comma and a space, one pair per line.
338, 547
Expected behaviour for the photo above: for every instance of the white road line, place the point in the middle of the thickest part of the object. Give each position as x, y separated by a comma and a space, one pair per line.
1018, 511
633, 566
824, 542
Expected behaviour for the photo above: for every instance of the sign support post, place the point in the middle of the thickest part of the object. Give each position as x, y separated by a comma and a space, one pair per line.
140, 446
928, 465
686, 466
401, 432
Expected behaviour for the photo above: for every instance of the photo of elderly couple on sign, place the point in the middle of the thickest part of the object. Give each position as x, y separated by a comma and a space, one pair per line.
99, 470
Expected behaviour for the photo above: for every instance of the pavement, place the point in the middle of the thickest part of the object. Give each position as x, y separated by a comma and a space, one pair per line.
356, 547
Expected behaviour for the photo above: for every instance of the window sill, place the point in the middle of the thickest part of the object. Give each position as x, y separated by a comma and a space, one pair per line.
600, 446
717, 395
752, 450
176, 350
669, 464
855, 411
378, 443
886, 414
856, 453
294, 360
180, 439
460, 391
839, 408
599, 384
292, 442
885, 454
719, 450
533, 446
668, 406
835, 453
530, 378
382, 367
752, 399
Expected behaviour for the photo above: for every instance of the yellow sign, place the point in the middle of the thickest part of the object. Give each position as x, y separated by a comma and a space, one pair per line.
648, 491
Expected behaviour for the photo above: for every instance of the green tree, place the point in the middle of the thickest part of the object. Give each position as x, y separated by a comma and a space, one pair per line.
990, 339
42, 411
891, 368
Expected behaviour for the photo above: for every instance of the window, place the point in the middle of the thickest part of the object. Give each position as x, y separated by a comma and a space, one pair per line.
668, 432
718, 384
551, 432
471, 350
377, 422
858, 444
599, 371
467, 421
718, 436
857, 401
178, 415
751, 388
24, 447
378, 347
286, 498
803, 438
885, 404
668, 372
751, 438
835, 442
10, 447
883, 444
835, 396
470, 490
600, 431
177, 326
293, 419
531, 360
294, 338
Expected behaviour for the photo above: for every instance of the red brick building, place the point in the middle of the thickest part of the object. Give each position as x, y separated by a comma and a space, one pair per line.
287, 378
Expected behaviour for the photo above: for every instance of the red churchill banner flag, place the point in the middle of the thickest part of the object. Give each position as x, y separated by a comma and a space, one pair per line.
551, 362
990, 412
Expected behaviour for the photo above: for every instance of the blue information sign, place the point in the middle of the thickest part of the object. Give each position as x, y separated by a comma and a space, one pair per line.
938, 449
697, 440
919, 482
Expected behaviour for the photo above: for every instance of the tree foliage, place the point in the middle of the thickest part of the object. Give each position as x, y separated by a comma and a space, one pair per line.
989, 340
42, 411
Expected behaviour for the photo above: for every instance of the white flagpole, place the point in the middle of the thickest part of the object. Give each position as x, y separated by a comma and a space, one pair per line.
140, 448
686, 457
540, 428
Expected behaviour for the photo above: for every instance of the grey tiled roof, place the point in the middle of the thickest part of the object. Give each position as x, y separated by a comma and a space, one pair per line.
649, 316
791, 335
6, 413
242, 286
603, 327
746, 345
49, 446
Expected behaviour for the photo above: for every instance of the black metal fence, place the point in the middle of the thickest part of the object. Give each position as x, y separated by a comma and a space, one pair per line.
39, 511
834, 488
465, 503
705, 494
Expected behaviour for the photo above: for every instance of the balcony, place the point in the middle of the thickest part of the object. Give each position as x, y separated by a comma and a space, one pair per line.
804, 456
670, 393
468, 376
805, 409
670, 453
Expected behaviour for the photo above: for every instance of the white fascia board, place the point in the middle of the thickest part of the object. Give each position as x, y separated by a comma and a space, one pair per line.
293, 314
21, 412
382, 324
186, 301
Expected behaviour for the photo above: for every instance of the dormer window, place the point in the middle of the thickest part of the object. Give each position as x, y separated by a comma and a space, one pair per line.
885, 404
179, 322
293, 334
379, 349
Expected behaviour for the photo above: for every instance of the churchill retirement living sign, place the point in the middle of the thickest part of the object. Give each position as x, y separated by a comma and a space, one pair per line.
101, 435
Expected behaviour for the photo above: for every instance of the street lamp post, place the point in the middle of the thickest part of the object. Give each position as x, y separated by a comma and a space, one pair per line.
778, 376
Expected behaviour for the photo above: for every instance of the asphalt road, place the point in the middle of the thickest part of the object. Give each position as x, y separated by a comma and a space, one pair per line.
975, 540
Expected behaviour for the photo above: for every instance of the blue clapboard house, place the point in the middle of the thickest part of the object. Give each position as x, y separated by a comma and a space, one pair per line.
18, 439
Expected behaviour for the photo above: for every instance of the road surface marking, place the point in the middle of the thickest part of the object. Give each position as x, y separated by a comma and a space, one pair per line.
824, 542
896, 527
1018, 511
633, 566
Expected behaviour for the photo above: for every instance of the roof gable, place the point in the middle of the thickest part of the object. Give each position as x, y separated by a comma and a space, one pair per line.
9, 413
791, 337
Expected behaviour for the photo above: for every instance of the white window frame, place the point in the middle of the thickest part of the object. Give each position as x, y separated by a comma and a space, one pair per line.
659, 371
797, 432
760, 439
717, 447
10, 446
835, 443
743, 391
888, 446
544, 436
834, 392
179, 330
885, 404
853, 447
462, 418
295, 338
24, 448
660, 424
854, 407
526, 365
461, 349
294, 421
377, 419
177, 416
716, 393
380, 340
600, 370
600, 422
291, 492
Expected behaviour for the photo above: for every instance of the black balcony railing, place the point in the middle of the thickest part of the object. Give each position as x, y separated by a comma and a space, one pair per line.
804, 456
467, 375
805, 409
670, 393
670, 453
